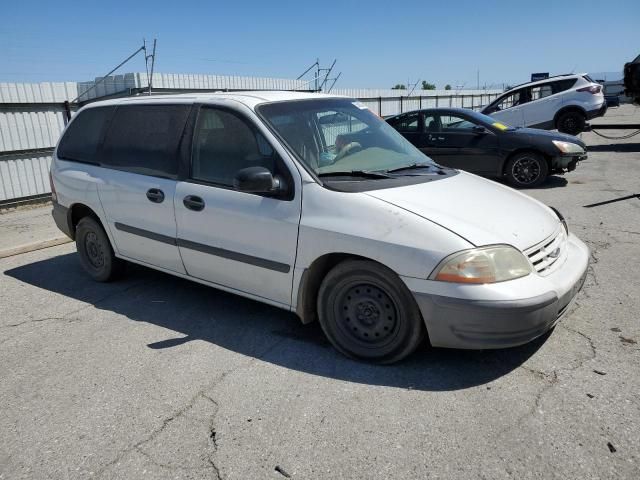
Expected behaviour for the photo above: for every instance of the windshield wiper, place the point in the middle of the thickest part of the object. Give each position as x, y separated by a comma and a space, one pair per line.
355, 173
415, 166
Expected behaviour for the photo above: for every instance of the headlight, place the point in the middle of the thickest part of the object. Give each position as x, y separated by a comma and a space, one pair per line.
561, 217
492, 264
568, 147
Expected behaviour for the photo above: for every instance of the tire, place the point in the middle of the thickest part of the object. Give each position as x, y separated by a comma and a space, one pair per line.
526, 170
571, 122
367, 313
96, 255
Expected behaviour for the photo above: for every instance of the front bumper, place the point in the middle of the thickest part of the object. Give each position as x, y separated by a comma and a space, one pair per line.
497, 315
567, 162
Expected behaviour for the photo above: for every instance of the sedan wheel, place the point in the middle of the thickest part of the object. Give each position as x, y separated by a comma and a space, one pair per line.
528, 169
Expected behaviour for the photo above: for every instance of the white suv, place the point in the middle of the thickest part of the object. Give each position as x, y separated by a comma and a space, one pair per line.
313, 204
564, 103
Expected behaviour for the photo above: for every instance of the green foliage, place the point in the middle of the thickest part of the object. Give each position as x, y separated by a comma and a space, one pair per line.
447, 87
399, 86
428, 86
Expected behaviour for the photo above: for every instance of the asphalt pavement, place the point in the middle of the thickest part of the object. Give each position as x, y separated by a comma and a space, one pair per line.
157, 377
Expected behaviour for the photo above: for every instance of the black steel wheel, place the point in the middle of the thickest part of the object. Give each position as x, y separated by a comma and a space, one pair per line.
526, 169
368, 313
571, 122
96, 254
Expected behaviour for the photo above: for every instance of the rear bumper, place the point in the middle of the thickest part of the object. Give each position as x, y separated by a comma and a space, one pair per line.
61, 217
597, 112
472, 323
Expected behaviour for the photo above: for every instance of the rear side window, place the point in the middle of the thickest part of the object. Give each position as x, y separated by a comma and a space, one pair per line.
562, 85
144, 139
406, 123
80, 141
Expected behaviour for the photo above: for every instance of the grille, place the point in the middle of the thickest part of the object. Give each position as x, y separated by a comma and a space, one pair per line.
544, 255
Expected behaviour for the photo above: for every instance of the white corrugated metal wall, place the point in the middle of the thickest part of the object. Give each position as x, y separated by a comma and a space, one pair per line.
32, 114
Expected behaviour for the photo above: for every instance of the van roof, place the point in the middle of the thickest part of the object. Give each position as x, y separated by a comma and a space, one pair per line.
249, 98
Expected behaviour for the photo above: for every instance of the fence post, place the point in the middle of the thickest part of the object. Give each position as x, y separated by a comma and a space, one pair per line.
67, 112
400, 103
420, 102
437, 101
380, 106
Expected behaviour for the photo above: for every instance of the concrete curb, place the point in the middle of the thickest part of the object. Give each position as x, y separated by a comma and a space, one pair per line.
30, 247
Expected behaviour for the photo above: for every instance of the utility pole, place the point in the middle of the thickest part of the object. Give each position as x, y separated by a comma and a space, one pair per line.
320, 72
141, 49
146, 63
412, 85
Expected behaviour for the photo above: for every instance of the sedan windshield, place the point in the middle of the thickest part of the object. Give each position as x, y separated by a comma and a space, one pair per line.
489, 121
340, 136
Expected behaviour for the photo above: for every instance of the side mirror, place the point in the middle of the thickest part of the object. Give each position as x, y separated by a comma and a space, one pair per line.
256, 180
479, 130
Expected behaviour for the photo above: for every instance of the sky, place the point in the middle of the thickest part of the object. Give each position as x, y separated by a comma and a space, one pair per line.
377, 44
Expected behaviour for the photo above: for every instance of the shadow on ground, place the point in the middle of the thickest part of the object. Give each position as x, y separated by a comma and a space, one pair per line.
552, 181
615, 147
197, 312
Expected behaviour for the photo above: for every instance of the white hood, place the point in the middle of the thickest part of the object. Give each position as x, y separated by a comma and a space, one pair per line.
479, 210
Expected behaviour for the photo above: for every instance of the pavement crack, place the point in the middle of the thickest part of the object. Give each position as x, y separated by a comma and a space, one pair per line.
32, 320
204, 393
592, 345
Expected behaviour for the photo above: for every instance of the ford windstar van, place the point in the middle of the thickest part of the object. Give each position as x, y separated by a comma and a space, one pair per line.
313, 204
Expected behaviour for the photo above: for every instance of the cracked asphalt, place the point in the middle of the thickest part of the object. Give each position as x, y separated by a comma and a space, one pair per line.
157, 377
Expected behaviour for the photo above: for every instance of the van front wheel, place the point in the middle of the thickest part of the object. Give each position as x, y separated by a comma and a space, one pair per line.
96, 255
366, 312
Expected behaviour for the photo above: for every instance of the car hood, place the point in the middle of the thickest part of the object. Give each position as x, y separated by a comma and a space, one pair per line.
539, 134
481, 211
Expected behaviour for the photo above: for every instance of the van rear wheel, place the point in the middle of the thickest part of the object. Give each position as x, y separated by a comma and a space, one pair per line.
367, 313
96, 255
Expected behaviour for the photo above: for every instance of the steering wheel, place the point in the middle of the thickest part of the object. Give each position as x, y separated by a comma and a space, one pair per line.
348, 149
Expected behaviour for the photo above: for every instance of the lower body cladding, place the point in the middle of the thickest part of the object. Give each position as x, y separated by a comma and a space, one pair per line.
504, 318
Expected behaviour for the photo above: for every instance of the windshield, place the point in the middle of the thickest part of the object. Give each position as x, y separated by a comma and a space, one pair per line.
333, 135
489, 121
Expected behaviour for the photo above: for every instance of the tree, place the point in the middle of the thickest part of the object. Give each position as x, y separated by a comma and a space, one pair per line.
399, 86
447, 87
428, 86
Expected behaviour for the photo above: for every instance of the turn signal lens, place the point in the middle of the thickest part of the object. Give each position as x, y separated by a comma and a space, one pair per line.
492, 264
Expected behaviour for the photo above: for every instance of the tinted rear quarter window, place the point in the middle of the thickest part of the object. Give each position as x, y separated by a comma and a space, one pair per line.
406, 123
80, 141
563, 85
144, 139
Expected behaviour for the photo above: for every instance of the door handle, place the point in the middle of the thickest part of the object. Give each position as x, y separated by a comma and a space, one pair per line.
155, 195
193, 202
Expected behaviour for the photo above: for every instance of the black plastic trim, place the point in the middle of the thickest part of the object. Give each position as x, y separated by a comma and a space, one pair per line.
158, 237
61, 217
239, 257
218, 252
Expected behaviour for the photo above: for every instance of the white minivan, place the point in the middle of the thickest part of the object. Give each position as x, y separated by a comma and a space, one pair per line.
313, 204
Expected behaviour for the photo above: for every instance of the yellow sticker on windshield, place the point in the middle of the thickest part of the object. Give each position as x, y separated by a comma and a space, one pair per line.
501, 126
